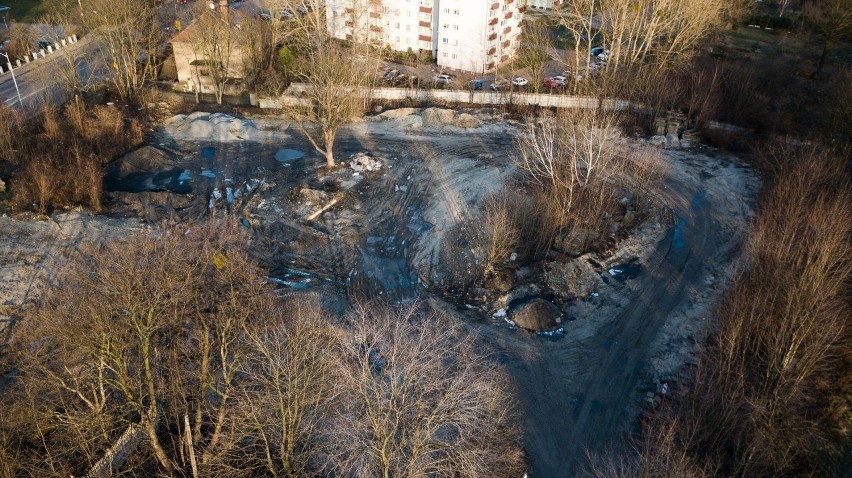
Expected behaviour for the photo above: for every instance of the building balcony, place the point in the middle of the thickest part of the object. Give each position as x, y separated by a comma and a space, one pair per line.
508, 15
493, 21
425, 9
492, 37
426, 38
425, 24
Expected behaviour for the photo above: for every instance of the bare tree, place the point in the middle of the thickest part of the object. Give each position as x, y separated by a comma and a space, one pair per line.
293, 378
334, 77
422, 401
218, 46
782, 6
331, 98
643, 33
130, 35
832, 20
576, 166
149, 332
536, 50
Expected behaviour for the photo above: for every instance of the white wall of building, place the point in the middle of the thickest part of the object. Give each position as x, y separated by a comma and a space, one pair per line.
469, 35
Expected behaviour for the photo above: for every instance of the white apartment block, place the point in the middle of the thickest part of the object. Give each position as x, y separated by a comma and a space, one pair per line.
466, 35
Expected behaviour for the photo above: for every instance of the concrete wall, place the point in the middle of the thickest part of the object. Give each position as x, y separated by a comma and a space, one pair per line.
460, 97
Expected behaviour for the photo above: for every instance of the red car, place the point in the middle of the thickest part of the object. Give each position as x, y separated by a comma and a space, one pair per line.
550, 83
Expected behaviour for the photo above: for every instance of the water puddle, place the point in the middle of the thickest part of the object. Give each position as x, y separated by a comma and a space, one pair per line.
288, 156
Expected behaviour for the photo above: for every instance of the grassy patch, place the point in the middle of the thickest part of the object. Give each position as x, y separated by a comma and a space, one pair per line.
24, 10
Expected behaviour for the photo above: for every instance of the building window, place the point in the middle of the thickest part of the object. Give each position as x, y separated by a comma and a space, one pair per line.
444, 40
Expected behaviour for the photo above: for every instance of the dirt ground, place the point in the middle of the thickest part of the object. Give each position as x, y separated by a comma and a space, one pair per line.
377, 234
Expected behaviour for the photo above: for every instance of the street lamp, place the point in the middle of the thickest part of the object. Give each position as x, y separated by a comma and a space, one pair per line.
9, 60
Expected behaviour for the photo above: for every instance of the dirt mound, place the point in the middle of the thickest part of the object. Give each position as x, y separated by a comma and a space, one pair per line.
212, 127
412, 121
537, 314
438, 117
465, 120
399, 113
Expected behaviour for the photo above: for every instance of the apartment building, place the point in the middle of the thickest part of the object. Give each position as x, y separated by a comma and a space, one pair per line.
466, 35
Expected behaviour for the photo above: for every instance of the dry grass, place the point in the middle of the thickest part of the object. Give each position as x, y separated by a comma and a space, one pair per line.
59, 159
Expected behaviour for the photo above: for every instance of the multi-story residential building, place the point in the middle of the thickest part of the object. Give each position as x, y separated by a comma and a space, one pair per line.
468, 35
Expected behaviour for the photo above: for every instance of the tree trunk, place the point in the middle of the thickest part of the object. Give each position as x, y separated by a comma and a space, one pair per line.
328, 140
154, 441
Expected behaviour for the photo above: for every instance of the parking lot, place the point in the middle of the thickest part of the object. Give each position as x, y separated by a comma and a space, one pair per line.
557, 78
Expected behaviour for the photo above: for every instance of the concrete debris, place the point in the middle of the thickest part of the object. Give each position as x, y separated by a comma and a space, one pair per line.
361, 162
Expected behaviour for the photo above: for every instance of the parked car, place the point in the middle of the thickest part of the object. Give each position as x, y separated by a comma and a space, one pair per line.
400, 79
599, 52
500, 85
477, 85
561, 80
391, 74
443, 78
519, 81
551, 83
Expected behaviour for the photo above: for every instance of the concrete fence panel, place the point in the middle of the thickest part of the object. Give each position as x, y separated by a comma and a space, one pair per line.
294, 95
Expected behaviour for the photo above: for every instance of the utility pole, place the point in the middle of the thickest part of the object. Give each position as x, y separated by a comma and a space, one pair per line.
9, 60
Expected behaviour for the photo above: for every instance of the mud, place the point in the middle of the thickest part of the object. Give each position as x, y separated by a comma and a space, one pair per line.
378, 234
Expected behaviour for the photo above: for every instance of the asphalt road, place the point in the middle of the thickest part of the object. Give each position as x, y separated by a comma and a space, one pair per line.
49, 78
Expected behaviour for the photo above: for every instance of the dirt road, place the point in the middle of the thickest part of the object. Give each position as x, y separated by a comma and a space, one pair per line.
583, 394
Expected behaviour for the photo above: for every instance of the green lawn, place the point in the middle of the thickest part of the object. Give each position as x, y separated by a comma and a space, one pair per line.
24, 10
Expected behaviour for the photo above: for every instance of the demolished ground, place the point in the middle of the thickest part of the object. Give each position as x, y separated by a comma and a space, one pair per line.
636, 313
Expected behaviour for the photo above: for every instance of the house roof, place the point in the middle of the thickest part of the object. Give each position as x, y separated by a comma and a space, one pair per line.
190, 33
